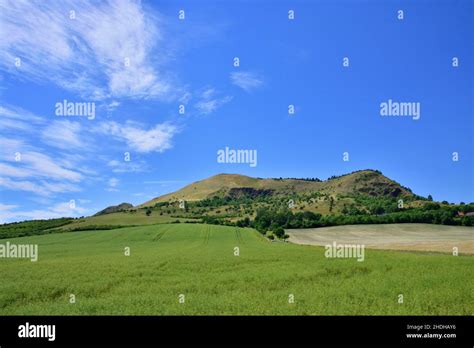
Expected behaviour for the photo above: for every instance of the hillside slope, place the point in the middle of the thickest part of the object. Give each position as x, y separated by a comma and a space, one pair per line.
115, 208
369, 182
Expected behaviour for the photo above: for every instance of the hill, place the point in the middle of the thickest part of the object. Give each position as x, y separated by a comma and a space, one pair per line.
360, 197
115, 208
367, 182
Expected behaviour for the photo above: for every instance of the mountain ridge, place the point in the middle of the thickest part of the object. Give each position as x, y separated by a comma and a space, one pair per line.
367, 181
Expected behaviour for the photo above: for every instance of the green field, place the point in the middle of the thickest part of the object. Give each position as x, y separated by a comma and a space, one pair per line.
198, 261
122, 219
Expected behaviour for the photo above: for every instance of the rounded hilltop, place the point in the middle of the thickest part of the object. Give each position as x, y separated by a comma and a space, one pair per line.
368, 181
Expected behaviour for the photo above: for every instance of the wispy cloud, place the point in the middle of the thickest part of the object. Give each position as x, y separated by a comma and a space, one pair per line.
127, 167
43, 165
41, 187
209, 106
102, 49
24, 166
248, 81
112, 105
27, 164
185, 98
156, 139
164, 182
33, 163
39, 174
4, 207
16, 119
112, 185
64, 134
209, 102
62, 209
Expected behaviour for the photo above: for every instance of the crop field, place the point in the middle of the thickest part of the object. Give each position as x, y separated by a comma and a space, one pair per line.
422, 237
122, 219
195, 269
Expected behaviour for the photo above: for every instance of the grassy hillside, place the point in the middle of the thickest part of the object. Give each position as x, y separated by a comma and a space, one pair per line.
116, 208
198, 261
32, 227
128, 218
95, 222
205, 188
365, 181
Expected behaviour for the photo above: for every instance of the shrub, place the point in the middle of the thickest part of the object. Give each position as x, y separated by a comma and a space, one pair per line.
279, 232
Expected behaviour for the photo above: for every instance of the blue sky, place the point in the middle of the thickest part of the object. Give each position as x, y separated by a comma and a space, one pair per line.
138, 62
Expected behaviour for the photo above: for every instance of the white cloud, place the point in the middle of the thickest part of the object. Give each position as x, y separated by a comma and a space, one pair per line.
113, 182
7, 206
27, 186
42, 188
15, 172
33, 163
156, 139
208, 93
164, 182
127, 167
105, 51
17, 119
66, 209
209, 106
246, 80
14, 124
43, 165
209, 103
65, 135
58, 187
113, 105
185, 98
112, 185
35, 172
62, 209
9, 146
49, 175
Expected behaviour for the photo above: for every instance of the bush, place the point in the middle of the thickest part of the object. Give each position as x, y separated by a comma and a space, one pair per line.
279, 232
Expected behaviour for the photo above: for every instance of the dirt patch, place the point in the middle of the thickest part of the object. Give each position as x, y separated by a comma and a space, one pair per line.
422, 237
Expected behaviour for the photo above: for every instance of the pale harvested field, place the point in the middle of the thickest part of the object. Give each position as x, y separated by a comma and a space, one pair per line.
422, 237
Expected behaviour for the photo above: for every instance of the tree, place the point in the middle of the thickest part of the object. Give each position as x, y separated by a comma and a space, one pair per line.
431, 206
377, 210
148, 212
243, 223
468, 221
279, 232
430, 198
331, 203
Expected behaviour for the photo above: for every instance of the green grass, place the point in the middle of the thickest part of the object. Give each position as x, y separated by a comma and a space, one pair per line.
122, 219
198, 261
